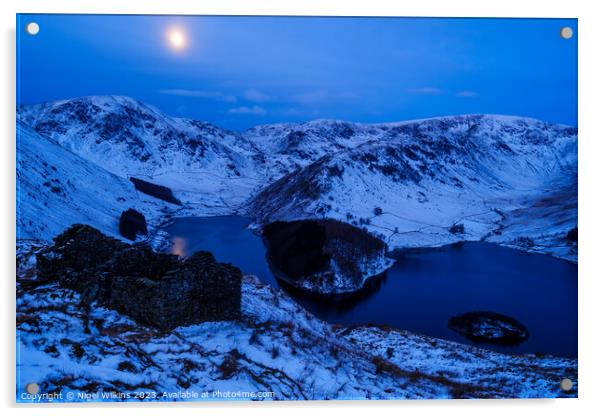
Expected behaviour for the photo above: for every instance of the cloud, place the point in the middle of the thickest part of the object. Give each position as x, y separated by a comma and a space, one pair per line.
310, 97
214, 95
467, 94
298, 112
256, 96
426, 91
251, 111
439, 91
322, 96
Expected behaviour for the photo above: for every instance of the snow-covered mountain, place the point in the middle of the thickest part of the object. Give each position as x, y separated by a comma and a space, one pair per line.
438, 181
294, 145
126, 136
57, 188
509, 180
207, 166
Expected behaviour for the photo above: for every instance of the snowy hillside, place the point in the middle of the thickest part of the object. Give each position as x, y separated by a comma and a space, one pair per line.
291, 146
210, 168
438, 181
56, 188
431, 182
276, 351
126, 136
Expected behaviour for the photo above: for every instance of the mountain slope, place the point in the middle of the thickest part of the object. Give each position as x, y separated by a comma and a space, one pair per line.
294, 145
508, 180
277, 351
126, 136
129, 138
420, 179
57, 188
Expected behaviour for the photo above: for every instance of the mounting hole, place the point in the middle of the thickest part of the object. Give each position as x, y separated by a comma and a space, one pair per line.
32, 388
566, 384
32, 28
566, 32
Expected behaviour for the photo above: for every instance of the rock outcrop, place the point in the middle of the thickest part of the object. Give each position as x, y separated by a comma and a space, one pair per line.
489, 327
155, 289
324, 256
131, 224
154, 190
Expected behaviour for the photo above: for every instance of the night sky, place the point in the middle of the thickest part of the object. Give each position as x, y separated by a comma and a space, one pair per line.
237, 72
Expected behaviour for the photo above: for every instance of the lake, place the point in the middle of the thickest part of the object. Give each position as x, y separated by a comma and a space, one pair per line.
423, 289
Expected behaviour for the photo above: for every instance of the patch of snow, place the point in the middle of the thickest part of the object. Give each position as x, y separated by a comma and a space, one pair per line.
276, 351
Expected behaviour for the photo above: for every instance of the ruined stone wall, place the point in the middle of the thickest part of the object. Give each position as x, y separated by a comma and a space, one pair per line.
155, 289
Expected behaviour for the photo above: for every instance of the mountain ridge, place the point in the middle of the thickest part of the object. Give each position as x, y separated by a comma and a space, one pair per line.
497, 164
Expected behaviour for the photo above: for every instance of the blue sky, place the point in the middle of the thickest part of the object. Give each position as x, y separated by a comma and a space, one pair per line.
237, 72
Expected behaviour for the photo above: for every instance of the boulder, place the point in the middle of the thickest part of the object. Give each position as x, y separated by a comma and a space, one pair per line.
457, 229
131, 224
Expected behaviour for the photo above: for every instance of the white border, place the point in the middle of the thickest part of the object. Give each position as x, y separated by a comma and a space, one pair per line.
468, 8
590, 211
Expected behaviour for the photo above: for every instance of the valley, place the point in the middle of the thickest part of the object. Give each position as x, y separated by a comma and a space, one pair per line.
359, 200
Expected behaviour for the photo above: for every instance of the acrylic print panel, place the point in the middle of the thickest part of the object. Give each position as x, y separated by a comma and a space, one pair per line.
295, 208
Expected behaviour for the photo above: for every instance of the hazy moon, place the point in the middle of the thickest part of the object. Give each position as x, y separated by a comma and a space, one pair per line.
176, 38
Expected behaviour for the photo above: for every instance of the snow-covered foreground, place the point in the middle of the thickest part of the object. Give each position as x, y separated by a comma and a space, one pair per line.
276, 351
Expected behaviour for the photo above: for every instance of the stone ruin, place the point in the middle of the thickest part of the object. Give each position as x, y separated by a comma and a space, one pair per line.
155, 289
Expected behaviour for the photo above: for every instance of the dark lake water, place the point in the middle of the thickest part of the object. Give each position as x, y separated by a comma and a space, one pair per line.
423, 289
